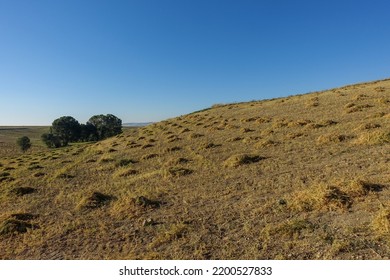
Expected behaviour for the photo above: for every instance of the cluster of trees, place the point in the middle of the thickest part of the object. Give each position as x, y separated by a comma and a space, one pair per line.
67, 129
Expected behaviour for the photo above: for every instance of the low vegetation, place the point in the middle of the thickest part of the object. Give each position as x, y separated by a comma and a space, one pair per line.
24, 143
241, 159
95, 200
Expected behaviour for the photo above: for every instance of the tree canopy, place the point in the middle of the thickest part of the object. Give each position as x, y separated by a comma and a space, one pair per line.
52, 141
106, 125
67, 129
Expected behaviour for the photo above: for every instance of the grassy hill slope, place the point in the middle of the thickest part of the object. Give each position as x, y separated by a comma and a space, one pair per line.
302, 177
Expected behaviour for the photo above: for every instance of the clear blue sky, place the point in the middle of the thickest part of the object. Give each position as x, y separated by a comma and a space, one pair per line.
148, 60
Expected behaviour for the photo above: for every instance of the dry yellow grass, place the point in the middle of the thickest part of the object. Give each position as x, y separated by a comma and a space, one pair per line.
381, 222
301, 177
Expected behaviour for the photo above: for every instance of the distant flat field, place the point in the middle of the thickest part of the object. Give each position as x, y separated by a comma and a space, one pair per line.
10, 134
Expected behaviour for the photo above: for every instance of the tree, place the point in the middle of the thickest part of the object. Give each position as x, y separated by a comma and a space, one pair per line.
88, 132
106, 125
51, 140
67, 129
24, 143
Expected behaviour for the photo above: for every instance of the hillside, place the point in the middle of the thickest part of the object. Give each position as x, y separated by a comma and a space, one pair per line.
302, 177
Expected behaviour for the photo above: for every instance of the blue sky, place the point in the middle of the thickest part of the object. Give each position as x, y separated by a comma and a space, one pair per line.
148, 60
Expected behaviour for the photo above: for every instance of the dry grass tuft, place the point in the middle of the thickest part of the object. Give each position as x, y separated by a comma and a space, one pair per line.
313, 126
133, 146
17, 223
21, 191
280, 123
64, 175
232, 126
149, 156
126, 172
176, 161
95, 200
332, 138
242, 159
39, 174
376, 137
175, 232
246, 130
125, 162
246, 120
369, 126
293, 135
293, 228
106, 159
8, 168
6, 179
361, 97
14, 226
195, 135
381, 222
146, 146
349, 105
299, 123
313, 102
262, 120
34, 167
383, 100
334, 196
146, 202
380, 89
176, 171
174, 139
210, 146
4, 174
172, 149
23, 216
266, 143
308, 199
234, 139
325, 123
360, 187
356, 108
